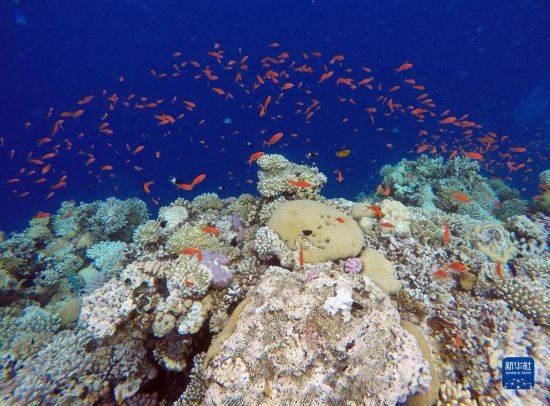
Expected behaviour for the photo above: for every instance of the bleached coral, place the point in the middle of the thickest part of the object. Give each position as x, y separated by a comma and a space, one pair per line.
173, 216
105, 308
285, 346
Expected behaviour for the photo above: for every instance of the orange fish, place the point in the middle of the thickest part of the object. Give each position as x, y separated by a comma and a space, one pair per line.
42, 215
376, 210
458, 341
138, 149
446, 233
106, 167
191, 251
340, 220
211, 230
404, 67
387, 225
473, 155
273, 140
85, 100
518, 149
498, 269
299, 183
448, 120
461, 197
146, 186
457, 266
441, 274
255, 156
339, 176
287, 86
198, 179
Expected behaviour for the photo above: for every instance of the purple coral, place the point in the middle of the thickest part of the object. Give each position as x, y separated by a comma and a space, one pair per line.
216, 263
353, 265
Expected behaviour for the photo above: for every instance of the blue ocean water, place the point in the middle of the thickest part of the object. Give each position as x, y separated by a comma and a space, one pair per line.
487, 59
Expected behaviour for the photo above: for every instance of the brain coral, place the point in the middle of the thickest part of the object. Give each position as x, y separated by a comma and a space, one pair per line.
327, 233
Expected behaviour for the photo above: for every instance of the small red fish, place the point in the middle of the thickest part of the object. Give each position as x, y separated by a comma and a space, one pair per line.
457, 266
339, 176
498, 269
387, 225
376, 210
254, 157
273, 140
299, 183
211, 230
198, 179
191, 251
446, 233
340, 220
441, 274
146, 186
461, 197
458, 341
42, 215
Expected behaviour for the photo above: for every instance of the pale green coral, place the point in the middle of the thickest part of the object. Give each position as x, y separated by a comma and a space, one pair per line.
108, 256
148, 233
191, 236
245, 206
61, 265
189, 277
118, 218
39, 229
206, 201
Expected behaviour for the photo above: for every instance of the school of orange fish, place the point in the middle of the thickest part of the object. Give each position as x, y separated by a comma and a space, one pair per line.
440, 132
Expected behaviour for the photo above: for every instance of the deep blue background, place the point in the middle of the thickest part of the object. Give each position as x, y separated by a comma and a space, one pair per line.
490, 59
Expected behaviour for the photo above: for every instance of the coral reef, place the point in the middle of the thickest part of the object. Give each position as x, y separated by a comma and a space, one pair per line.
286, 297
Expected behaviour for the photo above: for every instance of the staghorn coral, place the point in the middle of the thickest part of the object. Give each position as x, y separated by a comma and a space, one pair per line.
190, 278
